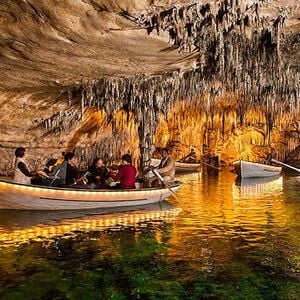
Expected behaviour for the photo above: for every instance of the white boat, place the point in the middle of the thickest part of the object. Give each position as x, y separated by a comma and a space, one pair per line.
179, 166
30, 197
251, 169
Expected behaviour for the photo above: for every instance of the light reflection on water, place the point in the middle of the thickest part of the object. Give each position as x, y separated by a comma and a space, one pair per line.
18, 227
223, 218
220, 227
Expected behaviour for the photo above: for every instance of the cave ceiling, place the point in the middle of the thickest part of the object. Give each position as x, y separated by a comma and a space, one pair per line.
53, 44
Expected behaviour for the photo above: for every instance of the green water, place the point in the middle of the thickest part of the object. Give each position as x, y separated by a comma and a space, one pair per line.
220, 240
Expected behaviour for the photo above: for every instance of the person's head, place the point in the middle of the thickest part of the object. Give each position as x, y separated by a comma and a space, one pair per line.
69, 157
20, 152
98, 162
164, 152
126, 159
51, 162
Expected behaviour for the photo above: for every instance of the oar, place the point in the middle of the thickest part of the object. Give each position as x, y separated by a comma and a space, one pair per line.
164, 183
209, 165
286, 165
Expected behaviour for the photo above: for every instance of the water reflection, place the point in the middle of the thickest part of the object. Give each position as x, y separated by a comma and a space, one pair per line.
221, 220
17, 227
220, 240
257, 187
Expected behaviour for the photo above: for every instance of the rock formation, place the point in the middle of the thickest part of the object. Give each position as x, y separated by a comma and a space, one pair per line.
104, 78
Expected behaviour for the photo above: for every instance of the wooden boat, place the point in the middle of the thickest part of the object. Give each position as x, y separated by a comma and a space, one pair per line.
30, 197
180, 167
251, 169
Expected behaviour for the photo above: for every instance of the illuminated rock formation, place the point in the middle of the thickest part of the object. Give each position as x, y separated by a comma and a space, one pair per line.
105, 77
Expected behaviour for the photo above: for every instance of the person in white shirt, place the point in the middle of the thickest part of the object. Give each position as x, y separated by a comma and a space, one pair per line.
166, 169
21, 172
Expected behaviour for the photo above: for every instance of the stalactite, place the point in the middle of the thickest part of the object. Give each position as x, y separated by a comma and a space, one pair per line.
188, 126
238, 54
251, 65
61, 122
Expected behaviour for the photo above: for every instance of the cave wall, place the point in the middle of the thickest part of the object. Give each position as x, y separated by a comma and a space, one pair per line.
224, 133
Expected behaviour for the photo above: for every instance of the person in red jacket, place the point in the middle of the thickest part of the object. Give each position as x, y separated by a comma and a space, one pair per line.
126, 174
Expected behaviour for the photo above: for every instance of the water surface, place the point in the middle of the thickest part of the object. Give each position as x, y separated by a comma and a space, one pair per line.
222, 239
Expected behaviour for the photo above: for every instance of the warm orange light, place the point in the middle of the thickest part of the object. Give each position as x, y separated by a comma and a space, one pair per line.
45, 232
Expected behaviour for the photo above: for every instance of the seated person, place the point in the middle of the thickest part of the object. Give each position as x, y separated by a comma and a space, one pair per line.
72, 174
98, 173
68, 170
21, 172
49, 167
191, 157
126, 174
166, 169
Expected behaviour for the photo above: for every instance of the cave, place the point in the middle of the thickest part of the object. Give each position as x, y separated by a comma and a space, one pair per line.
104, 78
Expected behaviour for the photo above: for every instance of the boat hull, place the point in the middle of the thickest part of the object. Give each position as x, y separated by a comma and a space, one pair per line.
180, 167
17, 196
247, 169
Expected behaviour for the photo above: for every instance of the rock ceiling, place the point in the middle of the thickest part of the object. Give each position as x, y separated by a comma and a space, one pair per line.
56, 43
52, 43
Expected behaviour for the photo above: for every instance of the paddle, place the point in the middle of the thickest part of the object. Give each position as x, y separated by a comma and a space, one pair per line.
164, 183
286, 165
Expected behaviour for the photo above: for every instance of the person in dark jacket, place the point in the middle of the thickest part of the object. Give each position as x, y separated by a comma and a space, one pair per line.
97, 173
126, 174
72, 174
